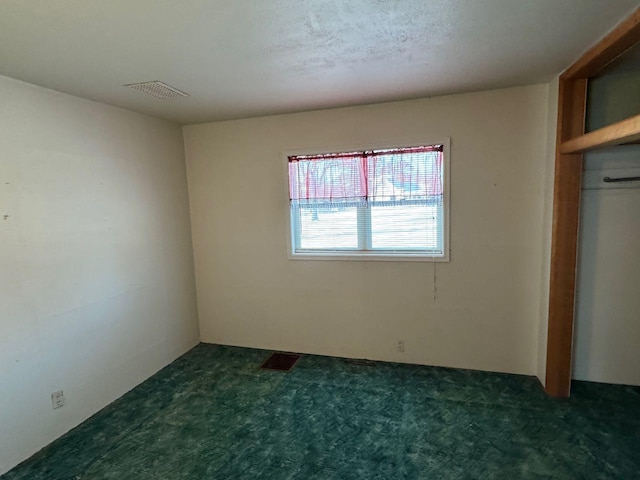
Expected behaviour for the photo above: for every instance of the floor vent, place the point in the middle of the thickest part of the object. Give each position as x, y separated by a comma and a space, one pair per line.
283, 362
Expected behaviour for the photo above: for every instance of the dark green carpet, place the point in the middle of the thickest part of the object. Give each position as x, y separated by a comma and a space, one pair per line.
213, 415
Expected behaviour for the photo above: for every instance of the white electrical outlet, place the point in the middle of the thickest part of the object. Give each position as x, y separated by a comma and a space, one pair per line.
401, 346
57, 399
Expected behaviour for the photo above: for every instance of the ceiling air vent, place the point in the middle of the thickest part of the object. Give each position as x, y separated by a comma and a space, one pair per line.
157, 89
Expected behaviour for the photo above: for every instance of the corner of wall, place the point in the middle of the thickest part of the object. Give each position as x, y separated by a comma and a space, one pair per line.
185, 129
547, 221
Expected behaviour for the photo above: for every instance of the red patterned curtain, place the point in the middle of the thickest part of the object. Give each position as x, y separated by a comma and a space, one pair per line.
394, 176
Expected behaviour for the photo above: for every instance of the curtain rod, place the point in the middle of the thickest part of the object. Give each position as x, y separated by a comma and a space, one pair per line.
368, 153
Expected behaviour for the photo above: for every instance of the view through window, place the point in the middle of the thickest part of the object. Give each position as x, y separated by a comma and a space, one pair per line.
388, 202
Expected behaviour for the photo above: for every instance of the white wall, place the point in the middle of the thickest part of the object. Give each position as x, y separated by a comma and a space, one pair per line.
486, 313
96, 260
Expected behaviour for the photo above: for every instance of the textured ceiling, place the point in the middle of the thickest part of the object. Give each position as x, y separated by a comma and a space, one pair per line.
243, 58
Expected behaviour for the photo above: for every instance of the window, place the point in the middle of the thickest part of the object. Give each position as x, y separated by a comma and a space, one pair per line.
386, 203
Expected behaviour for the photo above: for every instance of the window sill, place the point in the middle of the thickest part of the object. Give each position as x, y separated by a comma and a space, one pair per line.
369, 257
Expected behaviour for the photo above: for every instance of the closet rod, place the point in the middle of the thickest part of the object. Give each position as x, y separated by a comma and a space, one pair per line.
621, 179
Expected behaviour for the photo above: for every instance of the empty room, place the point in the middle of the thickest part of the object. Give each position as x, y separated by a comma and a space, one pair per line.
319, 239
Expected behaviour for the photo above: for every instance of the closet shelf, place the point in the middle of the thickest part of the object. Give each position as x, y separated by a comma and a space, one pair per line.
623, 132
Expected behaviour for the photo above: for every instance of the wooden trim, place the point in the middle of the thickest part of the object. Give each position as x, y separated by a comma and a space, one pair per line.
572, 108
564, 244
626, 131
618, 41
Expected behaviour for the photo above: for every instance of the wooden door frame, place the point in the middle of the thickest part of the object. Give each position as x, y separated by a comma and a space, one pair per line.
570, 144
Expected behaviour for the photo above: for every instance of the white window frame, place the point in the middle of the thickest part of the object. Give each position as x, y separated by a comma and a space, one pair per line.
373, 255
